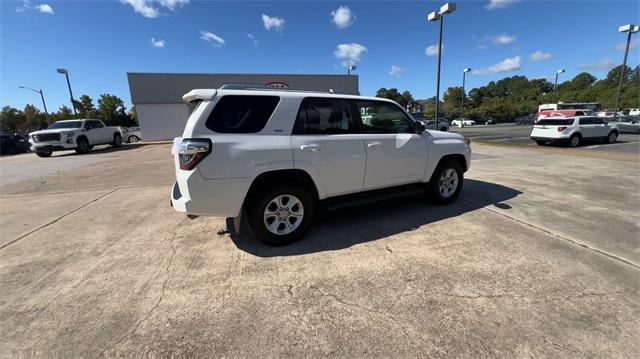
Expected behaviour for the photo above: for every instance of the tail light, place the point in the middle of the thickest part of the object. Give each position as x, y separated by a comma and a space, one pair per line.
467, 140
193, 150
560, 129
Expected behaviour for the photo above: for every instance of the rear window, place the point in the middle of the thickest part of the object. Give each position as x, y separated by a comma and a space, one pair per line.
555, 122
241, 114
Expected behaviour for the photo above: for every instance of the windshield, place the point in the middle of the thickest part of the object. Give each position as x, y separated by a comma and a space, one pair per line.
556, 122
65, 124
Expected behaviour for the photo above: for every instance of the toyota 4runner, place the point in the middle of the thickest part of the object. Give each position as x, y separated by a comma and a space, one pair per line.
274, 155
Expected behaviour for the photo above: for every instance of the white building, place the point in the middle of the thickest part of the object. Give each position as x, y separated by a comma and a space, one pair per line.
158, 96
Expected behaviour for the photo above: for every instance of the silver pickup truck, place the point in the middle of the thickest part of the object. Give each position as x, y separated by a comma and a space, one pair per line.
80, 135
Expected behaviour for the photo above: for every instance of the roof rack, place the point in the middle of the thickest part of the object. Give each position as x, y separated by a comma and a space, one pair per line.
258, 87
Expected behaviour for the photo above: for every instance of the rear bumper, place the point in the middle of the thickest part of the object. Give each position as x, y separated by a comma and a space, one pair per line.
192, 194
550, 139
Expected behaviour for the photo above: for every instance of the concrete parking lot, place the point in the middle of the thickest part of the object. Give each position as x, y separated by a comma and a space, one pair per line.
519, 135
539, 257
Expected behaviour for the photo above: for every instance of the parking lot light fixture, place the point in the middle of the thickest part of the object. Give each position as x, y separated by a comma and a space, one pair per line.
44, 104
464, 72
351, 68
445, 9
629, 29
73, 102
555, 86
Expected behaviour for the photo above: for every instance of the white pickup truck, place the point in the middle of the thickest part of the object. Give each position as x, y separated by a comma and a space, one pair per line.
80, 135
276, 154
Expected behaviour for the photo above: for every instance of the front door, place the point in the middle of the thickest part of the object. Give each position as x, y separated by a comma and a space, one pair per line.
396, 154
325, 144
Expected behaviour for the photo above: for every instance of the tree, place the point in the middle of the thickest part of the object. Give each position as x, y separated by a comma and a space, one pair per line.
404, 99
34, 118
64, 113
452, 101
11, 118
85, 107
112, 110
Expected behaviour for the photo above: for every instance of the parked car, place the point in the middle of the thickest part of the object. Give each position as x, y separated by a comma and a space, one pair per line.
12, 144
625, 124
572, 130
442, 125
462, 122
275, 155
80, 135
634, 112
524, 120
490, 121
131, 134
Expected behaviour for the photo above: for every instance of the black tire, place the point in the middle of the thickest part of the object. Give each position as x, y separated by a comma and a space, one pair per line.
133, 139
443, 129
541, 143
83, 145
256, 207
43, 153
434, 193
574, 141
117, 140
612, 137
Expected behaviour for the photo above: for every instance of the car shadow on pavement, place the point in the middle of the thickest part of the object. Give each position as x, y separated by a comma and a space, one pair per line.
344, 228
100, 150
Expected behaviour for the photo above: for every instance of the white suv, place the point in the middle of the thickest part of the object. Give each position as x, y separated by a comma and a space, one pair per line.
274, 155
573, 130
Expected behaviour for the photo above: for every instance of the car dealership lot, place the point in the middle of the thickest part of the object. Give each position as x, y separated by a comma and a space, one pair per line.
519, 135
539, 257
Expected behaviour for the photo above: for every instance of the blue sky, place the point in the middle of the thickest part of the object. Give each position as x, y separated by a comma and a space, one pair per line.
100, 41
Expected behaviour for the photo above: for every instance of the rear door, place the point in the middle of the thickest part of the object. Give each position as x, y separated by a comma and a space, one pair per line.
600, 128
396, 154
104, 133
325, 142
93, 134
587, 127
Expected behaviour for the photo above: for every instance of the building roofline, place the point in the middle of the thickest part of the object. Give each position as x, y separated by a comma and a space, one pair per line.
233, 74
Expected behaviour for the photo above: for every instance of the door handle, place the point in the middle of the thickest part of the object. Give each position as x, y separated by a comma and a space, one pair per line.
312, 147
374, 144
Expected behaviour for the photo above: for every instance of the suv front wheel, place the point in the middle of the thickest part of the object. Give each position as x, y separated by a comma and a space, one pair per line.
282, 215
446, 183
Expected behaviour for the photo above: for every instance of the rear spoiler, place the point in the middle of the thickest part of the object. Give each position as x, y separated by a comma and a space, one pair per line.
199, 95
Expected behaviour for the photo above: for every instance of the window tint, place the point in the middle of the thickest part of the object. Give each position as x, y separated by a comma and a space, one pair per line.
586, 121
323, 116
241, 113
555, 122
383, 117
597, 121
97, 124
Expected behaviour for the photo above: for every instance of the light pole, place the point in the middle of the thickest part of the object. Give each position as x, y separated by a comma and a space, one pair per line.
464, 73
46, 114
351, 68
445, 9
629, 29
555, 86
73, 102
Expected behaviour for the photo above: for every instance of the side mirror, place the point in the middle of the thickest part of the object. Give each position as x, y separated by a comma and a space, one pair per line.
420, 128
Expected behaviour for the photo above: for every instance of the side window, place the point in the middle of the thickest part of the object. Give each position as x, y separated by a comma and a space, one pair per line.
323, 116
596, 121
88, 125
97, 124
241, 113
383, 117
586, 121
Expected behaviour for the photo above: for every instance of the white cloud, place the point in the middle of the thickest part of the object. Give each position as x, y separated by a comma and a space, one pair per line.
540, 56
349, 53
253, 39
158, 43
342, 17
634, 43
508, 64
604, 65
432, 50
216, 40
503, 39
45, 9
276, 23
153, 8
499, 4
41, 8
396, 70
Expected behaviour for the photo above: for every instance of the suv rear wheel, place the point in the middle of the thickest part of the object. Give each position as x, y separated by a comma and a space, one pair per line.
613, 136
574, 141
446, 183
281, 216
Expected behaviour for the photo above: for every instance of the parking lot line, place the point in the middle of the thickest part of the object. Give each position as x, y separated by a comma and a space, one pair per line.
614, 144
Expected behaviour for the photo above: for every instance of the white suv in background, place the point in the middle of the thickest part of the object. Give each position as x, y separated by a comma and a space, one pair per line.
275, 154
572, 130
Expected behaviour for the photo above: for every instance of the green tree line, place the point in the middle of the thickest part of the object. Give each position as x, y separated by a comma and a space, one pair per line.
516, 96
110, 109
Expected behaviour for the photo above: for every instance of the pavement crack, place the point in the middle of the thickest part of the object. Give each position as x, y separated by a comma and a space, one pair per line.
556, 235
162, 291
57, 219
